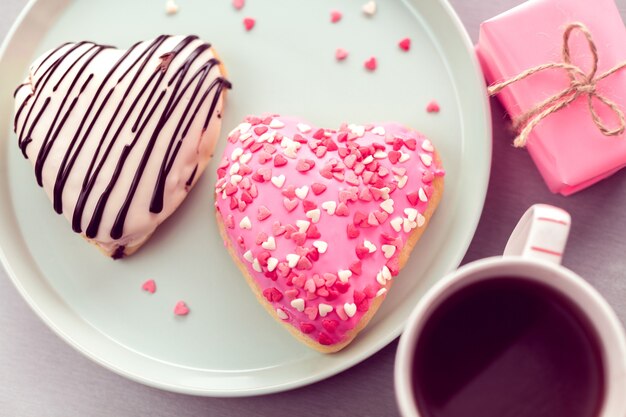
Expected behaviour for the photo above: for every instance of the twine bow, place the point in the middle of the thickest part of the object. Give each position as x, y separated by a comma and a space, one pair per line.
581, 84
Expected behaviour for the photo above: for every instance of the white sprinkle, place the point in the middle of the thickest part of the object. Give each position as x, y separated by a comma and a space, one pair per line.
279, 181
256, 265
271, 264
298, 304
321, 246
269, 244
380, 279
245, 137
304, 128
314, 215
281, 314
292, 259
386, 273
422, 195
369, 8
244, 128
248, 256
235, 179
420, 220
234, 168
350, 309
357, 130
380, 154
411, 213
329, 206
427, 146
344, 275
245, 158
408, 225
302, 192
303, 225
245, 223
402, 181
291, 151
404, 157
381, 292
397, 223
276, 124
267, 136
368, 160
426, 159
324, 309
388, 250
379, 130
370, 246
385, 192
236, 154
387, 205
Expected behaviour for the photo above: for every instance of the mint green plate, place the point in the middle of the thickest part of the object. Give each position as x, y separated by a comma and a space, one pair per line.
228, 345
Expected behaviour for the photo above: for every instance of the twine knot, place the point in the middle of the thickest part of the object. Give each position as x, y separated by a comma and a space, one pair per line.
581, 84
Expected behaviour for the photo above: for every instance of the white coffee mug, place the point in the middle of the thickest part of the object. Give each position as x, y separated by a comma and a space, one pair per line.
533, 252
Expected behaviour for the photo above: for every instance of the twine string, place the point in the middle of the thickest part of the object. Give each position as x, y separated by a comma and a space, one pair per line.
581, 84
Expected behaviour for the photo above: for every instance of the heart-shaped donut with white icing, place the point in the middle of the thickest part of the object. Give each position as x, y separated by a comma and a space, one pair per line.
119, 137
319, 221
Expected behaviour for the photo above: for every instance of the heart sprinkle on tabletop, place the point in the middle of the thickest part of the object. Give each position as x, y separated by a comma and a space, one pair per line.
171, 7
341, 54
149, 286
369, 8
335, 16
239, 4
181, 309
249, 23
405, 44
433, 107
371, 64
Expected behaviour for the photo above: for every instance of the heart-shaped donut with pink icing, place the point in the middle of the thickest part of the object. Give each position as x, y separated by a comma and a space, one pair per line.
320, 221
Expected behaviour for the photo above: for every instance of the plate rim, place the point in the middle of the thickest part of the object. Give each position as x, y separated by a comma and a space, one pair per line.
351, 361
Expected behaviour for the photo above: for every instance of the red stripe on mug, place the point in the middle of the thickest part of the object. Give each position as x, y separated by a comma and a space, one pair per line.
544, 250
549, 219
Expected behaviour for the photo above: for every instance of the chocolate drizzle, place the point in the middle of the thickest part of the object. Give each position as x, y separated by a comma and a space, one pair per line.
145, 107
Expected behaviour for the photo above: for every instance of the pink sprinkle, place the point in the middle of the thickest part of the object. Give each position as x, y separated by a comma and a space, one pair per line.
249, 22
335, 16
341, 54
433, 107
181, 309
405, 44
371, 64
149, 286
238, 4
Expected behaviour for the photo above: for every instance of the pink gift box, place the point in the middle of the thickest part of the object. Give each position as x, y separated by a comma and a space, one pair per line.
567, 147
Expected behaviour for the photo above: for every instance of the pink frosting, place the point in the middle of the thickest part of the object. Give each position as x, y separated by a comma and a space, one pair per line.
319, 216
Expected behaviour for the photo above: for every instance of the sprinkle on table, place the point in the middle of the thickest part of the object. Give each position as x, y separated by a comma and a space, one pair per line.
369, 8
171, 7
371, 64
181, 309
433, 107
341, 54
249, 23
405, 44
149, 286
238, 4
335, 16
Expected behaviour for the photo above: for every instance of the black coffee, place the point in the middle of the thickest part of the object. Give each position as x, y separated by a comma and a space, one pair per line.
508, 348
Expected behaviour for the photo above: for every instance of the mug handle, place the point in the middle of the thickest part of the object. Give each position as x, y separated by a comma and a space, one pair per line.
541, 233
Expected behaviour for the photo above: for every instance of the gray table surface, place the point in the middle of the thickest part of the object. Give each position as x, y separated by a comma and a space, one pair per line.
41, 376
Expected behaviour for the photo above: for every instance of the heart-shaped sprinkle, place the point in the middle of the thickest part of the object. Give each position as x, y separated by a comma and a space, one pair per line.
181, 309
433, 107
149, 286
171, 7
405, 44
331, 235
249, 23
335, 16
371, 64
369, 8
350, 309
340, 54
239, 4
